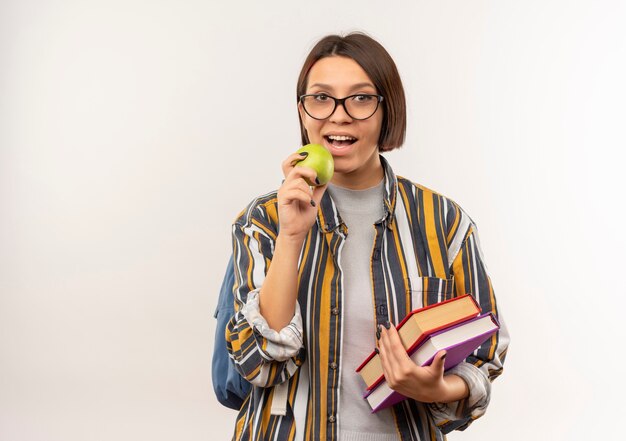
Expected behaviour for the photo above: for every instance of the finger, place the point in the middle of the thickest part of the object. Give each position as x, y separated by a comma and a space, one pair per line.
438, 363
397, 366
385, 344
297, 194
318, 193
395, 344
384, 351
302, 172
392, 357
307, 172
293, 182
291, 161
297, 183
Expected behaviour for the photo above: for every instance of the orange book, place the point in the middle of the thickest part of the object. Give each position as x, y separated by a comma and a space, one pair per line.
418, 325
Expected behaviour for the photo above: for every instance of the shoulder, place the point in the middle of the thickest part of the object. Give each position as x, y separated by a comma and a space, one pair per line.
430, 206
405, 183
426, 198
262, 209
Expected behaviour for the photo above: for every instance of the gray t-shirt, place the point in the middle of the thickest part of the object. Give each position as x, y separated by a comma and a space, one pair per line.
359, 209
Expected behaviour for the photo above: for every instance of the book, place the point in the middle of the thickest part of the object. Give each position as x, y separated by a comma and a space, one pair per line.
416, 326
459, 341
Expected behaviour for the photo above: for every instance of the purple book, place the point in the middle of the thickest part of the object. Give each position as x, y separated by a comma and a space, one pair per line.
458, 341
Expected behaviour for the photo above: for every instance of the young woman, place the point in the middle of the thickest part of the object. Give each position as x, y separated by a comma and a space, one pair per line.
321, 273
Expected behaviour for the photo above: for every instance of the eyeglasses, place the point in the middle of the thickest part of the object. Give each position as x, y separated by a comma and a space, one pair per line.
322, 106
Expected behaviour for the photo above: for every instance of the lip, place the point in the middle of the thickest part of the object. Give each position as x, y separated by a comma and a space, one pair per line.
339, 151
340, 134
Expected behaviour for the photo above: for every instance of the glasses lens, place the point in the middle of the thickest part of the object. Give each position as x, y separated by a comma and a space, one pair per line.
318, 106
362, 106
357, 106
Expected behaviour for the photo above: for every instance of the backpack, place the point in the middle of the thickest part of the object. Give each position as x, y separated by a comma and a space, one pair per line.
231, 389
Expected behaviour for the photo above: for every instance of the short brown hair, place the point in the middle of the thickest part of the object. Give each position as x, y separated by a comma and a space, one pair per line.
379, 66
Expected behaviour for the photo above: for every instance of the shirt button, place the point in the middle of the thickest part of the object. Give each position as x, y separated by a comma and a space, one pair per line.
332, 419
335, 311
333, 365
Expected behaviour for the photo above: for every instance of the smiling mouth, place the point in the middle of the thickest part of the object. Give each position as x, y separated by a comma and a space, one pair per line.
340, 140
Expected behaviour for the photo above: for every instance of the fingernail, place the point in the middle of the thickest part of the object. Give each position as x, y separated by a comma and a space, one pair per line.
305, 154
317, 181
387, 325
444, 356
378, 334
313, 203
377, 350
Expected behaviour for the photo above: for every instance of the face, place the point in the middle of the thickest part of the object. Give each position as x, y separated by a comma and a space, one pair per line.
353, 143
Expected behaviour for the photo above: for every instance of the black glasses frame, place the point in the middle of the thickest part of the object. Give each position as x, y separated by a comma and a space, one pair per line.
341, 101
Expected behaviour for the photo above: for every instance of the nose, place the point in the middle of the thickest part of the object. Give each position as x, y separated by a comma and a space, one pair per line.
340, 115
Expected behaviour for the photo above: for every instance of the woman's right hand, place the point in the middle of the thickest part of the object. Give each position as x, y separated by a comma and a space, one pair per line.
297, 201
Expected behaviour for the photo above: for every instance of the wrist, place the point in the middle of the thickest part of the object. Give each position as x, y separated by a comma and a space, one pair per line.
454, 388
290, 241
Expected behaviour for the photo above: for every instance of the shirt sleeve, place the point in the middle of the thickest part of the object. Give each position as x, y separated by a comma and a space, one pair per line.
486, 363
264, 356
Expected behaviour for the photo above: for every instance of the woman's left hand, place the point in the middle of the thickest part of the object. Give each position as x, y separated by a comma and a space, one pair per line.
425, 384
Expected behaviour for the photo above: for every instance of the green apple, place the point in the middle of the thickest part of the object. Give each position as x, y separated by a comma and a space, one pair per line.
320, 160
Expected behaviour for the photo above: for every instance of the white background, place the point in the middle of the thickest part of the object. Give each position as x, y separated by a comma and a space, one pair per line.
132, 132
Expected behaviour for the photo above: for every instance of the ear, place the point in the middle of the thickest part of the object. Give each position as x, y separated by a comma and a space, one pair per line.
301, 113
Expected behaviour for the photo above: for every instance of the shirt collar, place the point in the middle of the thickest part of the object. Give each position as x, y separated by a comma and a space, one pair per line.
328, 218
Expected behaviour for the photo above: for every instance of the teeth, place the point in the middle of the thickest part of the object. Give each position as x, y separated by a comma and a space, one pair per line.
341, 138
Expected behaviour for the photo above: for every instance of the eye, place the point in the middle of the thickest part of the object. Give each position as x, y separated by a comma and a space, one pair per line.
322, 98
362, 99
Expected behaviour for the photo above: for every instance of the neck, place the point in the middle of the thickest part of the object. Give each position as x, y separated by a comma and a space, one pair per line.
367, 176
